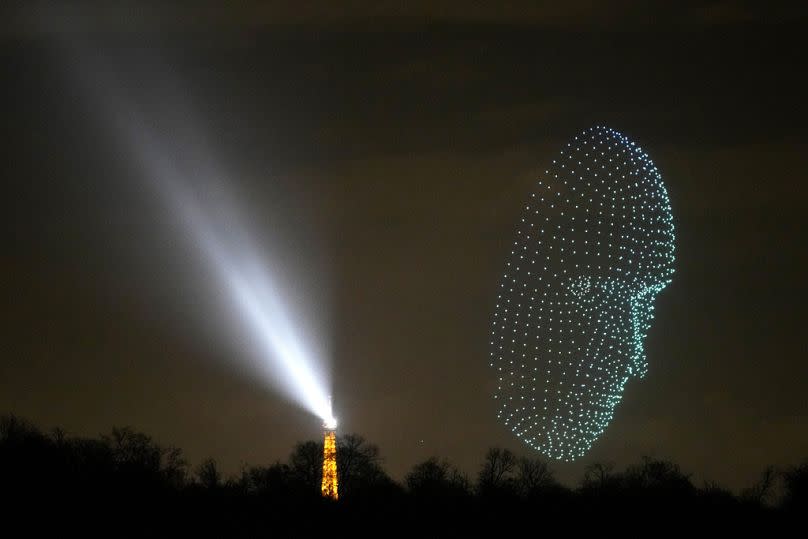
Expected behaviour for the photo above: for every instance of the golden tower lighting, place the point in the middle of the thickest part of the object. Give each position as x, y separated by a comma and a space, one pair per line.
329, 487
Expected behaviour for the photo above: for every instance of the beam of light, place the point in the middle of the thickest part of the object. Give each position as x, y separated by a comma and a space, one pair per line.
212, 222
252, 292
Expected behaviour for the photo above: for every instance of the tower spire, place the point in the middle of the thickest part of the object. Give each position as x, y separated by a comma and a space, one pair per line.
329, 486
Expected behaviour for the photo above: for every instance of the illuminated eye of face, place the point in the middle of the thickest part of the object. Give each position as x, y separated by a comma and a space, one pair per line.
581, 287
594, 247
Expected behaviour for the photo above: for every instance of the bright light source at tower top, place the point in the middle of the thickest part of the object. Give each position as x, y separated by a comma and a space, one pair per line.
329, 421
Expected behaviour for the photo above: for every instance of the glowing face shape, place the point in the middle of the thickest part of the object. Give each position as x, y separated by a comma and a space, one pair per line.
594, 247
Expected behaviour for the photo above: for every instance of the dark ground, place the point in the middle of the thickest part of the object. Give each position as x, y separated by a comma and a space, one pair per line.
126, 484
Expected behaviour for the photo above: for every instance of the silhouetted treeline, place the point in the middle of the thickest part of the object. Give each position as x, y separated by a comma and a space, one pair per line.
125, 483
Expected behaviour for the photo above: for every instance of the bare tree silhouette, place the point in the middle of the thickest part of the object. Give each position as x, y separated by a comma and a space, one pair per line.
534, 476
436, 478
763, 490
599, 476
497, 472
306, 462
795, 497
208, 474
358, 465
656, 474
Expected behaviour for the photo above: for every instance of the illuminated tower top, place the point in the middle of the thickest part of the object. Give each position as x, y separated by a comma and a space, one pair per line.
329, 485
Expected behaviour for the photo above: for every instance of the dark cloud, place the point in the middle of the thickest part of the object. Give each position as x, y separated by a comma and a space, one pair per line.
37, 18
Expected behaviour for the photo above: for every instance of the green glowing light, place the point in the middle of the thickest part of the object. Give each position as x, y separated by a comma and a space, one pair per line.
594, 247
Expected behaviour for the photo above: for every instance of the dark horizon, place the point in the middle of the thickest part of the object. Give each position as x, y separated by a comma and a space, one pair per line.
23, 442
136, 484
382, 159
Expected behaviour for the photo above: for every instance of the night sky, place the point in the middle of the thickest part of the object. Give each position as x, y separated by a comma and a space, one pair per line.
383, 157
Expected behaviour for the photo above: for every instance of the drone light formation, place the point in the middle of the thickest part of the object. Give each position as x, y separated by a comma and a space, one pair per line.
594, 247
